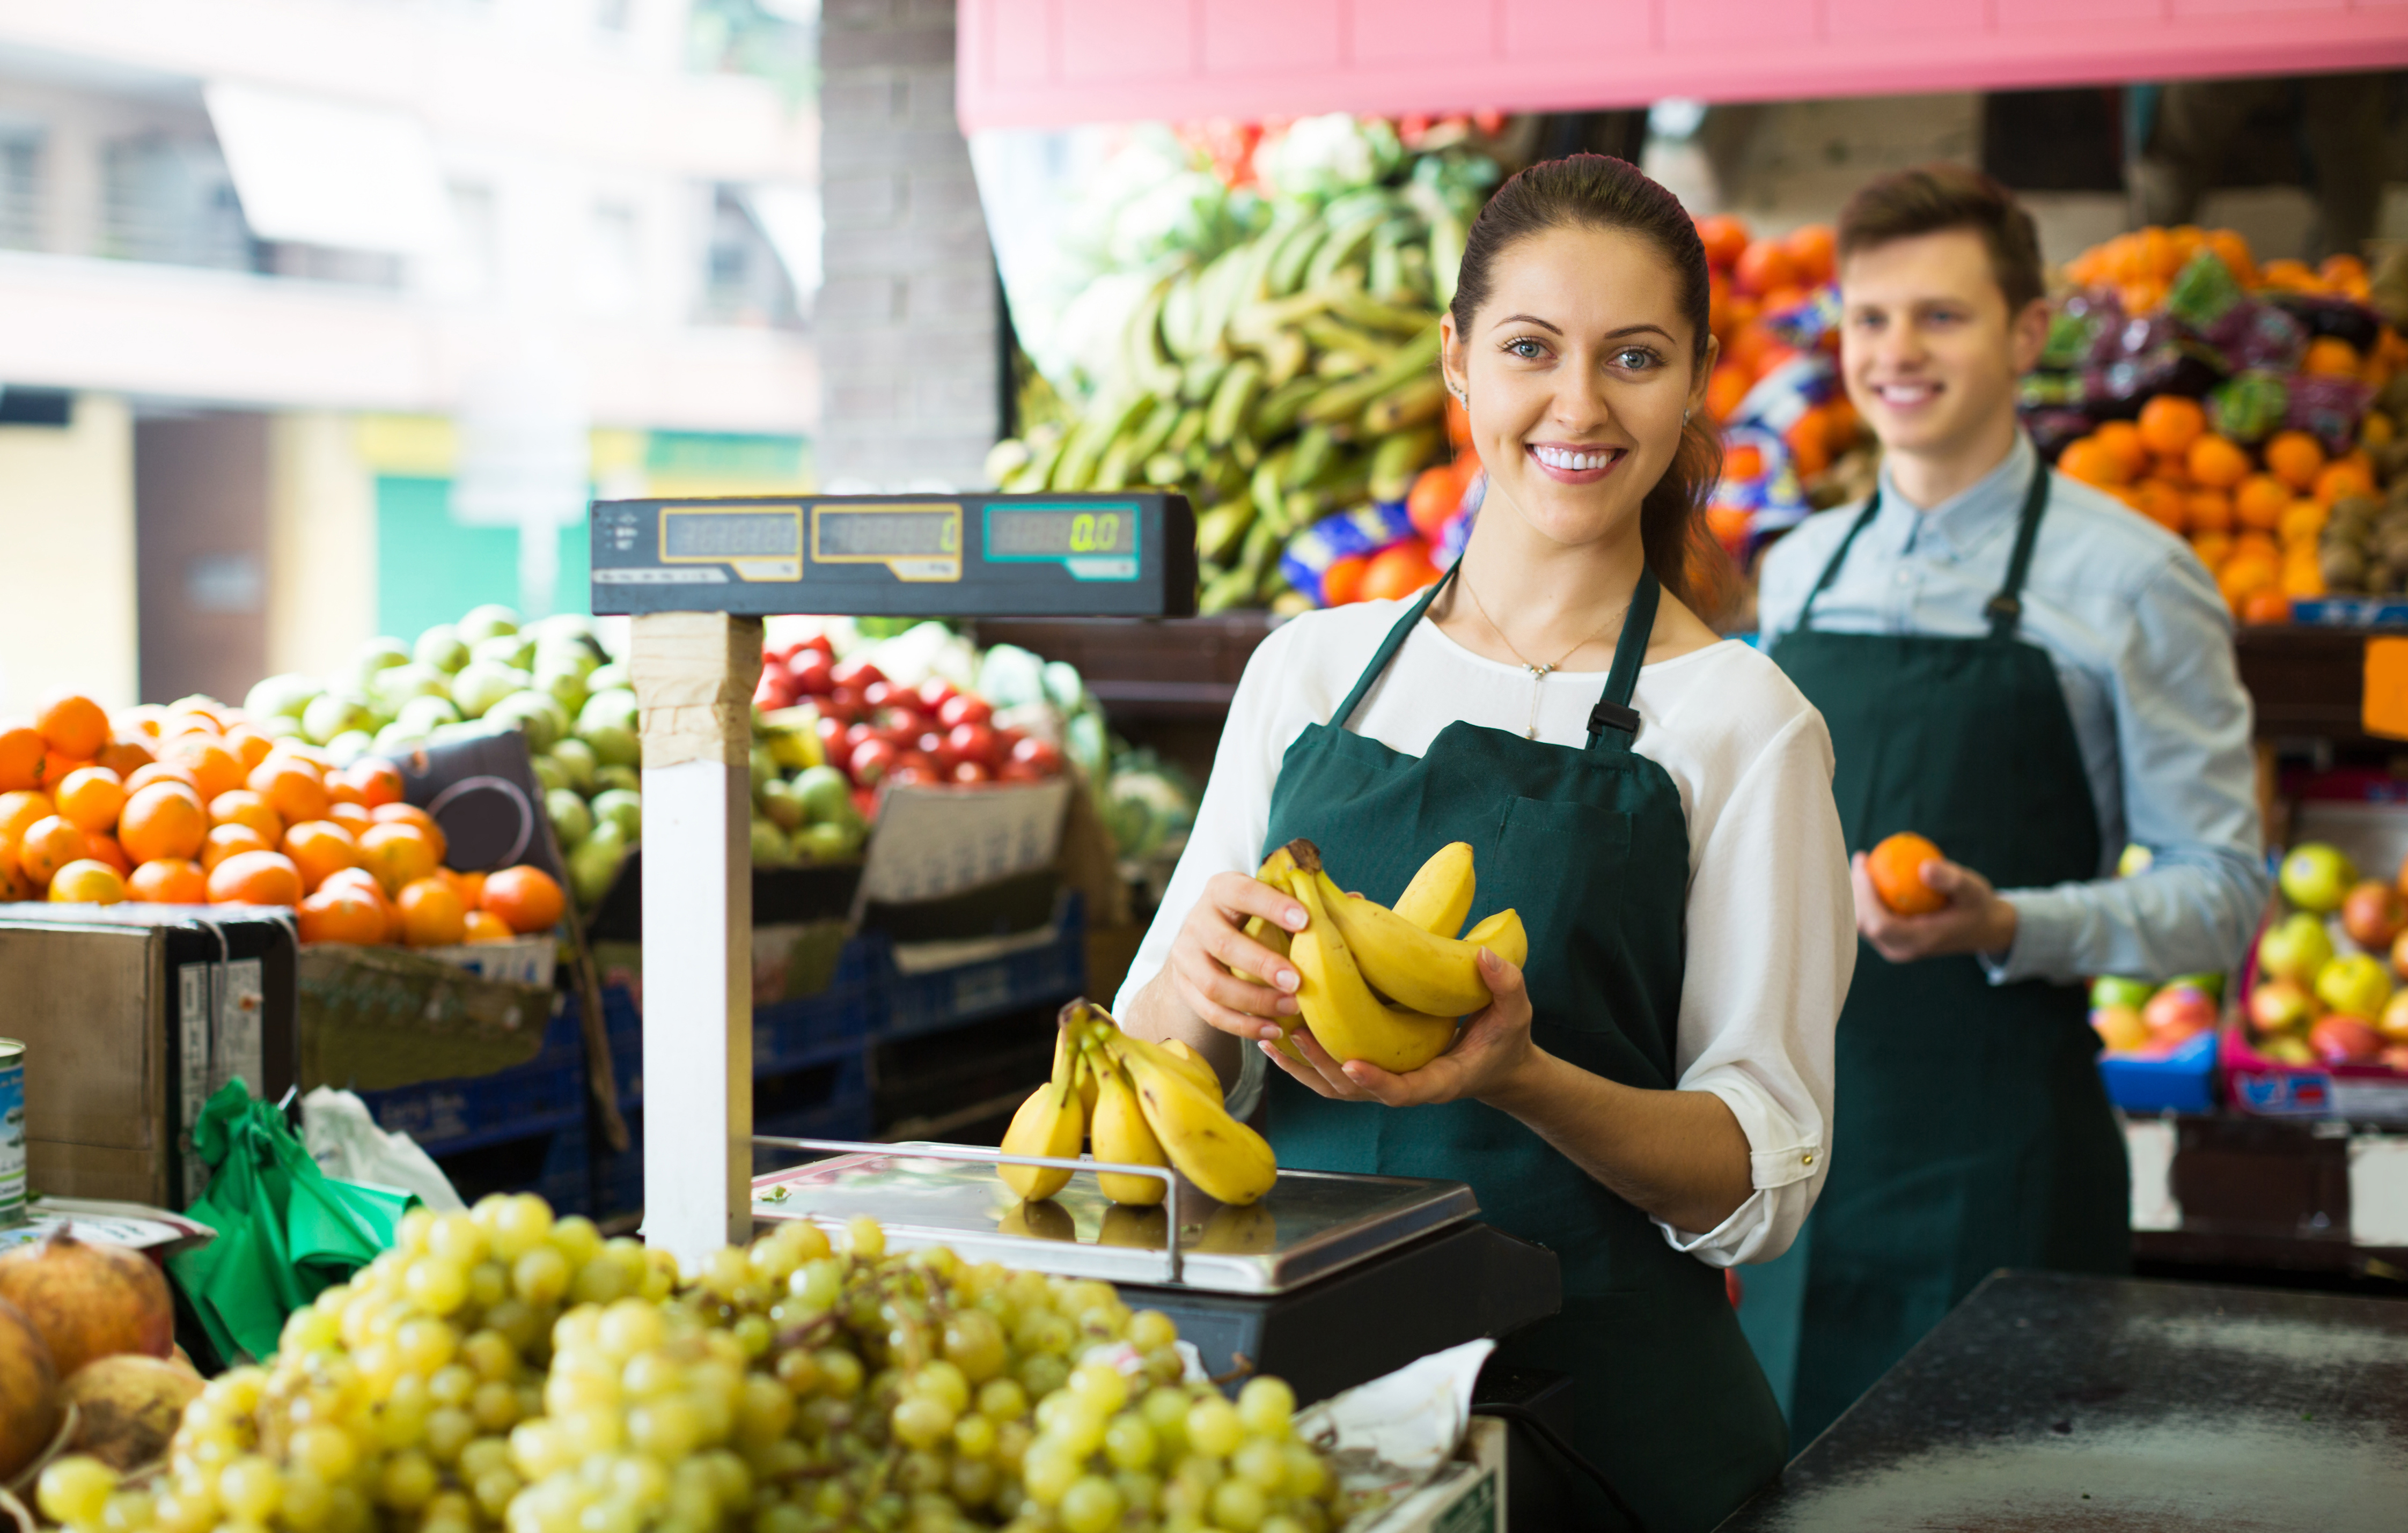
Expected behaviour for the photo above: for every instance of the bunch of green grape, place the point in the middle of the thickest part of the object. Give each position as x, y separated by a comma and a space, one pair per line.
501, 1370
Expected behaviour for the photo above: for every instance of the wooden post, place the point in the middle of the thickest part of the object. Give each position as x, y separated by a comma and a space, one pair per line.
694, 674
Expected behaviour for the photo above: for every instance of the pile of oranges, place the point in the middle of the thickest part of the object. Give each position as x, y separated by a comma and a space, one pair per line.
2142, 265
1752, 277
188, 805
2252, 517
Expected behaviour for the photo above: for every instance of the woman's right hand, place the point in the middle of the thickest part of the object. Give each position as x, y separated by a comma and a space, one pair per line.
1211, 943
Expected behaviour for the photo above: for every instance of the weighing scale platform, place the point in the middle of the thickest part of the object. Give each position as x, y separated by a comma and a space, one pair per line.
1328, 1282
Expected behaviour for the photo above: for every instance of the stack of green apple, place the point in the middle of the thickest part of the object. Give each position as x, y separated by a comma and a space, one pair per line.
550, 680
803, 809
2327, 988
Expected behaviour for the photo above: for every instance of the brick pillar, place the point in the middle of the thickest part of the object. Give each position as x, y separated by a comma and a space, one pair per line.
906, 318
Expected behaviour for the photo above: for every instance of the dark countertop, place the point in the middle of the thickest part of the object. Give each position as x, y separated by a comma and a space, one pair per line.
2050, 1402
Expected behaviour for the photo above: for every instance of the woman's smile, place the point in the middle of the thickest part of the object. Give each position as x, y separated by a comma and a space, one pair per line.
1575, 464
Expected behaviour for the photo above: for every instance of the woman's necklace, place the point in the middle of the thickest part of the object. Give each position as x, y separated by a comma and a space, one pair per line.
1539, 674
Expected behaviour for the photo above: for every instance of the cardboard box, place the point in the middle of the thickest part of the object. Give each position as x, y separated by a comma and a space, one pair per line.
132, 1015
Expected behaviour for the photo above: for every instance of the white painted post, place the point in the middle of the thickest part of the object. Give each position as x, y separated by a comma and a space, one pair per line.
694, 674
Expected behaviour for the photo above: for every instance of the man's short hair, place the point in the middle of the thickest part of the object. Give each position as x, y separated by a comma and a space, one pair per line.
1927, 199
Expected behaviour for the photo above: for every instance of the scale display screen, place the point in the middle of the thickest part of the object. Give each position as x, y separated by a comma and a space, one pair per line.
731, 534
929, 555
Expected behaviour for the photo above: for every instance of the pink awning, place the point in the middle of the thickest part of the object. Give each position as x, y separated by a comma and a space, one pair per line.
1047, 62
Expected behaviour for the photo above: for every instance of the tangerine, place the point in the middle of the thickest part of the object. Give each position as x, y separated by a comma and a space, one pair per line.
92, 797
1398, 570
352, 817
410, 814
85, 881
377, 779
2330, 356
293, 786
2212, 549
2088, 459
255, 878
485, 926
2294, 457
2216, 462
431, 913
2162, 504
162, 771
215, 769
242, 807
1815, 248
1724, 238
123, 756
104, 847
319, 848
230, 841
248, 745
2341, 480
2243, 576
2211, 510
527, 898
73, 726
20, 808
163, 819
2123, 439
2266, 606
169, 881
55, 769
1763, 267
1342, 582
399, 854
1896, 868
14, 885
2260, 500
48, 845
2302, 521
345, 914
2170, 424
471, 887
21, 757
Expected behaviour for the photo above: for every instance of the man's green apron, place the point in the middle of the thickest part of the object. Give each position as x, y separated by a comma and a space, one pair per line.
1593, 849
1971, 1131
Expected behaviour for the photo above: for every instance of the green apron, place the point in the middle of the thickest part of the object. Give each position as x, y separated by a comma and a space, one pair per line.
1972, 1131
1593, 848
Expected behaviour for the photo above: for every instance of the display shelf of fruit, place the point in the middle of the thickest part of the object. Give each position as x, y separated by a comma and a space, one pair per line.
502, 1370
2233, 405
1279, 366
2324, 987
194, 803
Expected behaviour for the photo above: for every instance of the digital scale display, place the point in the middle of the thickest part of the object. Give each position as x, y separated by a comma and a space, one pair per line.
967, 556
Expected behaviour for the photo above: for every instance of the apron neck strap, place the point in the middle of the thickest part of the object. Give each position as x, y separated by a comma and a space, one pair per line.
1613, 710
2006, 609
1390, 645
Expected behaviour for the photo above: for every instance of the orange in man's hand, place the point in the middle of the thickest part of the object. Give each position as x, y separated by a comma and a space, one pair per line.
1896, 867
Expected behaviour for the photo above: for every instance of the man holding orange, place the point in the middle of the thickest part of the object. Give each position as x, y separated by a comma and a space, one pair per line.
2029, 673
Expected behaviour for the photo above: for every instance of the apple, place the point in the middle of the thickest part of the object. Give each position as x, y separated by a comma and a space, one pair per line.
2317, 877
2177, 1012
2374, 914
2209, 984
2295, 947
2120, 1028
2344, 1040
964, 707
2287, 1050
2110, 990
2393, 1022
2396, 1057
2281, 1005
2355, 983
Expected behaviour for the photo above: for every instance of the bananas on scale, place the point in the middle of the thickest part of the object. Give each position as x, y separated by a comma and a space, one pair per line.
1154, 1105
1387, 984
1284, 379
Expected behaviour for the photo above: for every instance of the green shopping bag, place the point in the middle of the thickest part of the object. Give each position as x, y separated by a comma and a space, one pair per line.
286, 1230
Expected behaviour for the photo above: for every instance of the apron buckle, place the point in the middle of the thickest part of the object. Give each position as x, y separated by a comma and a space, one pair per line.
1605, 716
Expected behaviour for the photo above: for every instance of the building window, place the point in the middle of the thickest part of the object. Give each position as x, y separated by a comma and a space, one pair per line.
20, 189
744, 283
170, 199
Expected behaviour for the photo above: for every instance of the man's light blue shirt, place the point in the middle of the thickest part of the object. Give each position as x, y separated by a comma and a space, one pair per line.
2143, 646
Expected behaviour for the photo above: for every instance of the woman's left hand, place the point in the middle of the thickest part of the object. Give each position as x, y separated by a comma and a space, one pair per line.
1492, 1048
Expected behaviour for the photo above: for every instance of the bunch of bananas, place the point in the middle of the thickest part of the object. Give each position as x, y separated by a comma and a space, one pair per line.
1290, 376
1384, 984
1143, 1104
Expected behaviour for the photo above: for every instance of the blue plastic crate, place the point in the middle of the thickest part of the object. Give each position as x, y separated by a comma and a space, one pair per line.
2183, 1081
949, 997
520, 1102
827, 1100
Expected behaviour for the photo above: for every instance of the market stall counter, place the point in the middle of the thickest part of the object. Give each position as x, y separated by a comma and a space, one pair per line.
2051, 1400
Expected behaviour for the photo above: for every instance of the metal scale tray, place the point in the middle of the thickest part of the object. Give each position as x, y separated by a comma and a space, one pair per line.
1310, 1225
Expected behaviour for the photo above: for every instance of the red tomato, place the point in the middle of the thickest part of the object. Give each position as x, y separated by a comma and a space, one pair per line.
856, 732
821, 643
780, 653
773, 690
916, 773
1044, 755
934, 693
844, 703
813, 675
964, 707
832, 732
913, 756
858, 674
871, 761
931, 744
865, 803
1019, 771
968, 772
882, 693
902, 723
972, 742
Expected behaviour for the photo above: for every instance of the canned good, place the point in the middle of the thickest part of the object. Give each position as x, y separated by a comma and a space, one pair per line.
12, 1132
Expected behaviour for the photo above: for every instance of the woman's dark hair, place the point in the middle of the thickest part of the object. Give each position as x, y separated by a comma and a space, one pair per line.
1597, 192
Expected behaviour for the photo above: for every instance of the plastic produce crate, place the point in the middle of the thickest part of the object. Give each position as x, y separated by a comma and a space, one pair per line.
947, 998
445, 1117
2182, 1079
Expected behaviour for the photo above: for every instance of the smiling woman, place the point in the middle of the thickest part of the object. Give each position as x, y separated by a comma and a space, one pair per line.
1646, 1096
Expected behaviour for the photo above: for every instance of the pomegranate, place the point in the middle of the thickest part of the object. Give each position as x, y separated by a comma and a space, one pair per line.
29, 1392
128, 1406
90, 1300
